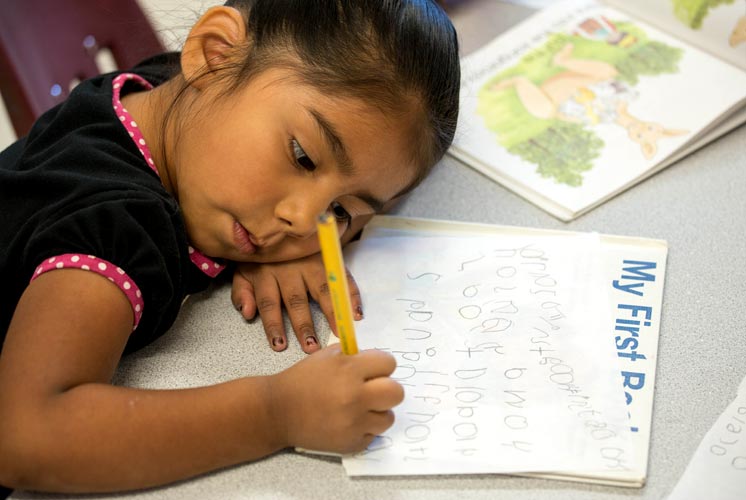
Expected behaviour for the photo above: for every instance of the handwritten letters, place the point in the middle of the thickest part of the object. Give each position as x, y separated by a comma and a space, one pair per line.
502, 347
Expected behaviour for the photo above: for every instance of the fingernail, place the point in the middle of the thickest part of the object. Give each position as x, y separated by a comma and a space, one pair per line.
239, 307
311, 340
359, 310
278, 341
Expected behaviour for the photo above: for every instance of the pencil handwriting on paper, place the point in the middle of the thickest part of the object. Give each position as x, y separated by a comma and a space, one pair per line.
492, 347
718, 467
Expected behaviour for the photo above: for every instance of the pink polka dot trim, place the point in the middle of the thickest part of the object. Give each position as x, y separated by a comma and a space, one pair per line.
99, 266
129, 123
204, 263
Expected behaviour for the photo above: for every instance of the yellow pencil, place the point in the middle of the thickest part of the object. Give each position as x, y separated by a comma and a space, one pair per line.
336, 278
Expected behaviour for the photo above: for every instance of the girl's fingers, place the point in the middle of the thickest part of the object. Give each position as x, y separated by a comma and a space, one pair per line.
373, 363
355, 298
265, 289
376, 423
295, 298
379, 421
269, 305
320, 293
383, 393
242, 296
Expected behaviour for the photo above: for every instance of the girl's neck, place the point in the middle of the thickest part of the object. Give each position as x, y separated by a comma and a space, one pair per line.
148, 109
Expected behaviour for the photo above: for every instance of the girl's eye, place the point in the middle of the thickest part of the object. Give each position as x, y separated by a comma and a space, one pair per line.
340, 213
301, 158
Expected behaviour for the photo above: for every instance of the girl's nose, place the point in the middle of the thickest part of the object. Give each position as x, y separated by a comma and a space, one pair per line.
300, 212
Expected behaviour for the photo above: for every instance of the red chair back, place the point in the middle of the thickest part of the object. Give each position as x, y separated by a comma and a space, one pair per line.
47, 44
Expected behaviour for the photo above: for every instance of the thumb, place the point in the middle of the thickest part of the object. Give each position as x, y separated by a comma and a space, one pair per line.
242, 296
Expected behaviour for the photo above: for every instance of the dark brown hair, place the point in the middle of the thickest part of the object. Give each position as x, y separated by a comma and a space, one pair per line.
393, 54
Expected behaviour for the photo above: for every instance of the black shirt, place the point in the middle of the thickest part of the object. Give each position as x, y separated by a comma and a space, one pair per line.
78, 184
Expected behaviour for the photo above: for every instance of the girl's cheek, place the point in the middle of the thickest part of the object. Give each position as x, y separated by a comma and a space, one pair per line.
295, 250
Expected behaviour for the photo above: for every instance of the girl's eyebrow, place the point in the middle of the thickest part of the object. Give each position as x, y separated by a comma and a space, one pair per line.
335, 143
374, 203
340, 154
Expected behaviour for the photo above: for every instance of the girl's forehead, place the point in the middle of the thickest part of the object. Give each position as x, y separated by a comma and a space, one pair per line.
370, 138
364, 134
377, 143
378, 152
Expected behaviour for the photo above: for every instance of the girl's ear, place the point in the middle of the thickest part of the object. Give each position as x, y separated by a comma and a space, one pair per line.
211, 44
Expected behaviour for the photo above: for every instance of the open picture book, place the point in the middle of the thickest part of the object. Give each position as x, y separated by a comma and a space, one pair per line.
521, 351
584, 99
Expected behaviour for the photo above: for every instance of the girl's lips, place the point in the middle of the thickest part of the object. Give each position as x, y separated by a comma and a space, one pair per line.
242, 239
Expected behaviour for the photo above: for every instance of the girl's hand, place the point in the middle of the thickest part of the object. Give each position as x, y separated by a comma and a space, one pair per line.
264, 288
334, 402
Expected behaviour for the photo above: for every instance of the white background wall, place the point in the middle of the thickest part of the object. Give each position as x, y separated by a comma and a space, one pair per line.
170, 18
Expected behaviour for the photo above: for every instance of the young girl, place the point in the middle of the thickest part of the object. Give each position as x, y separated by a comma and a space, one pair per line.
144, 184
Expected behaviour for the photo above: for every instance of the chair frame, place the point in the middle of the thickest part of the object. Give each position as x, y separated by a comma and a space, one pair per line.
47, 44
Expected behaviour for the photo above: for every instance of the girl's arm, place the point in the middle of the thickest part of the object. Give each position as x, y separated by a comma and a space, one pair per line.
64, 428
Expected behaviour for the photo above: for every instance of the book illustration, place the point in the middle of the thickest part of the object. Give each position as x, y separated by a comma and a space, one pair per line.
551, 107
693, 12
738, 35
580, 102
716, 26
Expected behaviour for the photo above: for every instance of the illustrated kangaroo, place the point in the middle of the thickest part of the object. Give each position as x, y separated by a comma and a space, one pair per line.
738, 35
586, 92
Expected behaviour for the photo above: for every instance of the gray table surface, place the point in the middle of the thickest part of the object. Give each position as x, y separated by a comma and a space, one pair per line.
698, 205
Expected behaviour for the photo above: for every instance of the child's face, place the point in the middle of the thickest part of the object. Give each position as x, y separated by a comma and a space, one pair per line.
253, 171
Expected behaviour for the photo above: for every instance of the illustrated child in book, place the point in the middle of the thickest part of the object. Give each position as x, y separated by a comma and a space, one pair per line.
587, 92
144, 184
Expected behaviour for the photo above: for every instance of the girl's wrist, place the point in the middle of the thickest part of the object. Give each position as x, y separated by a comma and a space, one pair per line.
277, 413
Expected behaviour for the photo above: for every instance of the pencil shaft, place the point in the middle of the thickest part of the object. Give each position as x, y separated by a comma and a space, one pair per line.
336, 277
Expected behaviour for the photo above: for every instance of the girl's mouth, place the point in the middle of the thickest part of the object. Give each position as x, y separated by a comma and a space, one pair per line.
242, 239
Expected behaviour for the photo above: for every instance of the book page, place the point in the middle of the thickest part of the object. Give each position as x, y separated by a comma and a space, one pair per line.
480, 341
580, 101
632, 282
534, 4
717, 26
718, 467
